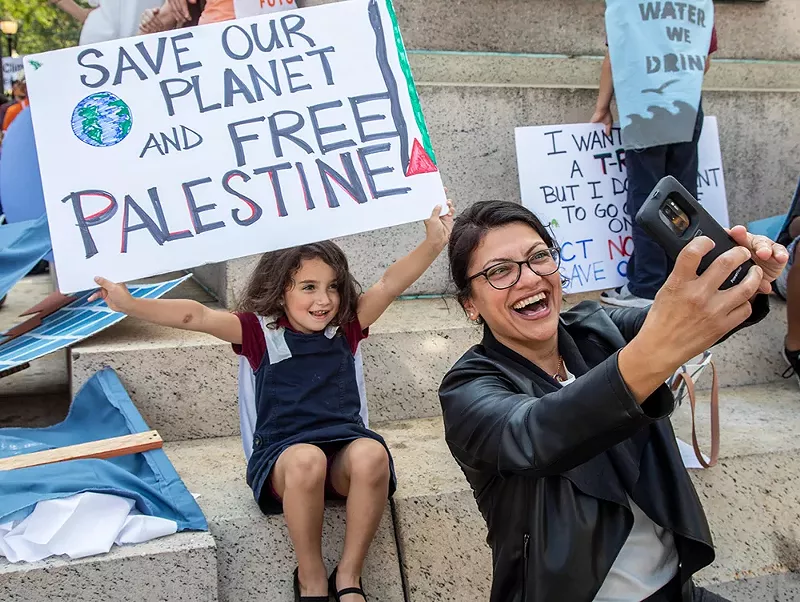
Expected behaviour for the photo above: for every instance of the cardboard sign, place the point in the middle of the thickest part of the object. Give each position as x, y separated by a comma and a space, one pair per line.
573, 178
69, 325
172, 150
658, 54
11, 66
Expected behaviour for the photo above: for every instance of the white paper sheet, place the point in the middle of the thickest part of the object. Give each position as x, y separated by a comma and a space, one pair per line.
78, 526
688, 456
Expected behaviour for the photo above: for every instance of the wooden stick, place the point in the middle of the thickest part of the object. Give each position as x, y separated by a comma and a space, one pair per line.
49, 305
102, 449
20, 329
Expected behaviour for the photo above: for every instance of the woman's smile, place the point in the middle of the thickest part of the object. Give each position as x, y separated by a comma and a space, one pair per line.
533, 306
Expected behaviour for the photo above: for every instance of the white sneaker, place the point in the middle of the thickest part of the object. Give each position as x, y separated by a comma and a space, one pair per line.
610, 294
625, 298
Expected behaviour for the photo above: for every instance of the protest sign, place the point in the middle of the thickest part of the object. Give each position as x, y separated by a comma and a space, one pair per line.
573, 178
172, 150
69, 325
11, 66
658, 54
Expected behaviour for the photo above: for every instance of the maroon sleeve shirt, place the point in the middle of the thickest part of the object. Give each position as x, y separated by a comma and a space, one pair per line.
254, 345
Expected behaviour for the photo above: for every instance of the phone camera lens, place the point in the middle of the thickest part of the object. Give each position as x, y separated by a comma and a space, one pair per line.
676, 217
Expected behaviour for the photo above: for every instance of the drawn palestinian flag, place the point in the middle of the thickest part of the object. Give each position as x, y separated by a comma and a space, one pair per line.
417, 156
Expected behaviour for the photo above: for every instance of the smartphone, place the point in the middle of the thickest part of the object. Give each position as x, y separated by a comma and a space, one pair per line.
673, 217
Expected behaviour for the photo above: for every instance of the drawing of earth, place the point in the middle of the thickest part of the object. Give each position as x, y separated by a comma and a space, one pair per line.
102, 119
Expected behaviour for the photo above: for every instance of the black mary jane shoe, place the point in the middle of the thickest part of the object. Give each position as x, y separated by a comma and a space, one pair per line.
337, 595
299, 598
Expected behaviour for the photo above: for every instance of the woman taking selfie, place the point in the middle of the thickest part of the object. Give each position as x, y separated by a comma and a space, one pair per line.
560, 421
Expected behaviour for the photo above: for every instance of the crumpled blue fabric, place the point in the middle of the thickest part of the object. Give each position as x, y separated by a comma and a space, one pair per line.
22, 246
101, 409
20, 181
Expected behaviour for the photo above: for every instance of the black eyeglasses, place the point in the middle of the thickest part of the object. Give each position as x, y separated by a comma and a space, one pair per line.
506, 274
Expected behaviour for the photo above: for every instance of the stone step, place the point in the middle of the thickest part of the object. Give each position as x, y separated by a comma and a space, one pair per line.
769, 30
751, 499
255, 559
473, 102
185, 384
47, 378
177, 568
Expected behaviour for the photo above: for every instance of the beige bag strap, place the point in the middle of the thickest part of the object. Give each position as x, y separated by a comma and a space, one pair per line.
690, 391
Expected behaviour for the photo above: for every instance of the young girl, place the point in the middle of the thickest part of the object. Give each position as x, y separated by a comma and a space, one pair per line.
298, 331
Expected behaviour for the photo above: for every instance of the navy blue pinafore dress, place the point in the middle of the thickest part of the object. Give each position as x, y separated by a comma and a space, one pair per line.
306, 391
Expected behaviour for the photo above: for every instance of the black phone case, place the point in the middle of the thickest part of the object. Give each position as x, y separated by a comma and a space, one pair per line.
700, 223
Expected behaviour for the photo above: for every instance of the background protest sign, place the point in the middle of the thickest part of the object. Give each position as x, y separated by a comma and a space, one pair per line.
573, 178
173, 150
658, 53
11, 66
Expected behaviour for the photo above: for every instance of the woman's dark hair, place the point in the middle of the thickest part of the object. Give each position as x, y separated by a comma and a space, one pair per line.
472, 225
275, 272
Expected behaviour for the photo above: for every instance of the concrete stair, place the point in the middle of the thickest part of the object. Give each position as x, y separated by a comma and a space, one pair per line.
434, 533
178, 568
576, 27
169, 373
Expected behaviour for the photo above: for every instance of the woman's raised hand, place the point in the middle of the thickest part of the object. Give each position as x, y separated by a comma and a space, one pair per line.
690, 313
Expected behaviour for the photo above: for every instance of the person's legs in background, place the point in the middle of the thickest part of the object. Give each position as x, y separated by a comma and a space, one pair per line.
647, 265
683, 160
683, 163
788, 287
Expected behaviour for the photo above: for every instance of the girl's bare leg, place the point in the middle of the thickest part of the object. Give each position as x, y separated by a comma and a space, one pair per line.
299, 479
361, 472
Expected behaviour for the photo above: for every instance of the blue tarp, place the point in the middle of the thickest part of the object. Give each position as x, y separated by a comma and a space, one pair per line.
20, 182
101, 409
777, 226
794, 211
769, 226
22, 246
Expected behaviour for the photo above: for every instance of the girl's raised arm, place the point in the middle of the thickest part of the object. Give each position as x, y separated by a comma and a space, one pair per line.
175, 313
404, 272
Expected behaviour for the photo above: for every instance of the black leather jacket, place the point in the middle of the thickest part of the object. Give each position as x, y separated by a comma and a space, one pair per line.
550, 466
